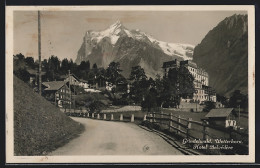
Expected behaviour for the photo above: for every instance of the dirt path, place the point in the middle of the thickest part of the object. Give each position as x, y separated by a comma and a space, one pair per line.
115, 138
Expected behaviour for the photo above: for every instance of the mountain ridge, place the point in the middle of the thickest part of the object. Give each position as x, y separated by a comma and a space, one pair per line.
223, 53
130, 47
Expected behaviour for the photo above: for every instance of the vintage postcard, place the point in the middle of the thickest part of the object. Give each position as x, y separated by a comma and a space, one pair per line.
130, 84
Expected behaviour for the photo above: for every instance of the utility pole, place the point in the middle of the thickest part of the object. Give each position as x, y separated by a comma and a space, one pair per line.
39, 52
239, 115
69, 90
239, 101
74, 95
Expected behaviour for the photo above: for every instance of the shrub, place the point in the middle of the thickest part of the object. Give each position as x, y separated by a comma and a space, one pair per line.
22, 74
208, 106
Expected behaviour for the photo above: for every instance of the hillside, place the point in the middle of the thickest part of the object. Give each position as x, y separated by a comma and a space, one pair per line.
130, 48
223, 53
39, 127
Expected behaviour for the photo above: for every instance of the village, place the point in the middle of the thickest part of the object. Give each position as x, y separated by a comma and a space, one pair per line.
72, 94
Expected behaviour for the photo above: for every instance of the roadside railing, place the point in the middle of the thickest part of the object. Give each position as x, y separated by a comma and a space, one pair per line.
103, 116
183, 127
187, 128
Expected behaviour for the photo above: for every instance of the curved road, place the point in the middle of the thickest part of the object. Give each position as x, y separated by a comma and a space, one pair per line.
115, 138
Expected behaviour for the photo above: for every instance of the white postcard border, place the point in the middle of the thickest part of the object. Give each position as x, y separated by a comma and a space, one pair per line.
10, 158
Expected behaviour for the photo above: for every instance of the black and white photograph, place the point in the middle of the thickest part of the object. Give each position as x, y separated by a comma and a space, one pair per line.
115, 84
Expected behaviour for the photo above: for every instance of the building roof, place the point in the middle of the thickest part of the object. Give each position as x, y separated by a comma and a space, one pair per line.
67, 76
170, 63
82, 80
53, 85
189, 63
221, 112
35, 72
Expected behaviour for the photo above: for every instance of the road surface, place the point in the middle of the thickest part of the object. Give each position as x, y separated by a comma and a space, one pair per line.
115, 138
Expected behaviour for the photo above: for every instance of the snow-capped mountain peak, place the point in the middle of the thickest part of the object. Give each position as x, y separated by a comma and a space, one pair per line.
116, 25
110, 36
117, 30
130, 48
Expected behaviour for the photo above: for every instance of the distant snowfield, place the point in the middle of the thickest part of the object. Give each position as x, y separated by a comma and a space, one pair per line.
117, 29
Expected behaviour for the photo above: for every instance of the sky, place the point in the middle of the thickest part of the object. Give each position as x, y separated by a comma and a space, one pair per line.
63, 31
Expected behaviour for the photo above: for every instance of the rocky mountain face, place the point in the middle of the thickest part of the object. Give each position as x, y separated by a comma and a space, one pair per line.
130, 48
223, 53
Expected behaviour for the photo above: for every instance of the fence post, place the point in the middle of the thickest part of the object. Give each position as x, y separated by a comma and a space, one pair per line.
105, 117
93, 115
145, 117
230, 133
178, 126
153, 117
112, 117
132, 118
188, 127
170, 122
205, 136
121, 117
88, 115
161, 116
98, 116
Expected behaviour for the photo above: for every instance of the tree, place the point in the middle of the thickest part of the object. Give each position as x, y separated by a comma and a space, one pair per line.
30, 62
113, 73
237, 98
22, 74
169, 94
20, 56
45, 65
140, 85
84, 66
178, 84
53, 67
222, 99
94, 66
158, 89
94, 101
83, 69
100, 77
208, 106
19, 62
137, 74
149, 102
186, 86
19, 67
64, 66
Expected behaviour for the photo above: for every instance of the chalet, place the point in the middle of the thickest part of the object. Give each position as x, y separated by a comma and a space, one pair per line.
58, 91
74, 80
34, 74
225, 117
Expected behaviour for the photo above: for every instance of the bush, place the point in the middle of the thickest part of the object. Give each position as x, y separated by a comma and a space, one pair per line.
122, 101
208, 106
94, 101
22, 74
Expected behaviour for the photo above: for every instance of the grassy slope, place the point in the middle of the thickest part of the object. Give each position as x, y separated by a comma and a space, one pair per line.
39, 127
